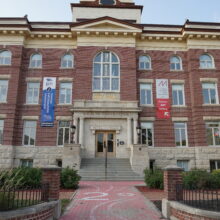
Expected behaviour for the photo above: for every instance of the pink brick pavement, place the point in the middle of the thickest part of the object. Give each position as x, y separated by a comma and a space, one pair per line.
110, 201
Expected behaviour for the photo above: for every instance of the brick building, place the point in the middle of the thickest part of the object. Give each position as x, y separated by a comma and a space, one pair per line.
106, 65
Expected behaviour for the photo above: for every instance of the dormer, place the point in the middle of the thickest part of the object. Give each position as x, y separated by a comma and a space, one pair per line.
120, 9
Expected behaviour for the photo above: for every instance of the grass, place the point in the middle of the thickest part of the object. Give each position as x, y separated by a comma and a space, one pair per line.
64, 204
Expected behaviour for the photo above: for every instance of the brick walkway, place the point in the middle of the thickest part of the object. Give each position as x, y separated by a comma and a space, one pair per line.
110, 201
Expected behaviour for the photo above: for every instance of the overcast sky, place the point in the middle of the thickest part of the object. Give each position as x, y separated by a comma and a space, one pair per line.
155, 11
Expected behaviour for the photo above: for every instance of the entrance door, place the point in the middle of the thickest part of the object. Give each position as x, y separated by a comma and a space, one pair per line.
105, 143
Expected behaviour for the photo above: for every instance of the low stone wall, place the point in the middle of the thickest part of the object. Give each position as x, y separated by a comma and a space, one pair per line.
180, 211
44, 211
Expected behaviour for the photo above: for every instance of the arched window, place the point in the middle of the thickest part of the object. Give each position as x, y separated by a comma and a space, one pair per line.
5, 57
67, 61
175, 63
144, 62
106, 72
206, 61
36, 61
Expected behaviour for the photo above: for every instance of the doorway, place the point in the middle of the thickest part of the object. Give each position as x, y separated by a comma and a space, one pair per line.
105, 144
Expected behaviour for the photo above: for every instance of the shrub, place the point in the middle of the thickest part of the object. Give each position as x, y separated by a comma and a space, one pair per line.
6, 200
154, 179
215, 176
69, 178
198, 179
21, 177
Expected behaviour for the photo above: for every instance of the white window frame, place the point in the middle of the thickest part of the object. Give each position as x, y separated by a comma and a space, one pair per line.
183, 92
3, 85
2, 130
33, 64
186, 133
151, 92
37, 87
29, 128
213, 132
145, 66
216, 92
205, 62
63, 132
176, 63
4, 58
26, 162
182, 163
67, 61
147, 127
111, 76
63, 88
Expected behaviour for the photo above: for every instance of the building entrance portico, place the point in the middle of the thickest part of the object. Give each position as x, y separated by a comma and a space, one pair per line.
105, 124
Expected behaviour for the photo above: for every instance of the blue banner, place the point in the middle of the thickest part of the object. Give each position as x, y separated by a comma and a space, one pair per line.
48, 102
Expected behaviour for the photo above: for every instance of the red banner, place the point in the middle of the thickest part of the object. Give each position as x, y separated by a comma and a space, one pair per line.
163, 108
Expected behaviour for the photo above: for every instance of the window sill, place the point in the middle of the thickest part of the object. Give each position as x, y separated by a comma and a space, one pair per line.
207, 68
64, 104
35, 68
66, 68
211, 105
106, 91
28, 145
147, 105
181, 70
4, 65
182, 146
3, 102
145, 70
32, 104
179, 106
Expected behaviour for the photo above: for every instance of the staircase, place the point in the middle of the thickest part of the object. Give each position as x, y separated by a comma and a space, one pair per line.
117, 170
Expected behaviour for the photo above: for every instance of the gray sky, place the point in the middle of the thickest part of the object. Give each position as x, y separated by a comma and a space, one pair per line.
155, 11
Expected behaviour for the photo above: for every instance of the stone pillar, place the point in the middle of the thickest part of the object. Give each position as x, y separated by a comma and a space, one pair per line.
81, 131
129, 136
172, 178
51, 175
76, 120
135, 131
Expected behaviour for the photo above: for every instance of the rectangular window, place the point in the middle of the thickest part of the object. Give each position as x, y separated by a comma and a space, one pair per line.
26, 163
210, 94
65, 96
3, 90
32, 96
183, 164
178, 94
147, 133
1, 131
29, 136
63, 133
214, 165
180, 134
146, 94
213, 133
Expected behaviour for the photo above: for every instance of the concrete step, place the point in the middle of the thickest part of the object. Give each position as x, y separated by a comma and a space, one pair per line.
117, 169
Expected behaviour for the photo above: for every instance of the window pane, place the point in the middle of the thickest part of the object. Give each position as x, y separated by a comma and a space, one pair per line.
106, 70
175, 100
150, 137
66, 137
217, 138
98, 58
177, 137
97, 69
205, 96
183, 137
106, 57
144, 136
115, 68
115, 84
106, 83
96, 84
180, 93
114, 58
60, 137
213, 96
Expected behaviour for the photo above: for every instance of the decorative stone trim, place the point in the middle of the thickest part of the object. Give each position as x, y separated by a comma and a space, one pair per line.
94, 129
179, 119
33, 118
211, 118
3, 116
64, 118
145, 80
65, 79
33, 79
177, 81
5, 76
147, 118
213, 80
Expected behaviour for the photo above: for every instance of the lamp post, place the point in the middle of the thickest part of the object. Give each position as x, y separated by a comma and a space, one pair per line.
138, 128
72, 130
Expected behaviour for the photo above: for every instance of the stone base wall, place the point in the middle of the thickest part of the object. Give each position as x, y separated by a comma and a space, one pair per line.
198, 157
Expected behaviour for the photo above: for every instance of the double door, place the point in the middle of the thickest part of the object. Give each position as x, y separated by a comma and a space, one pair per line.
105, 144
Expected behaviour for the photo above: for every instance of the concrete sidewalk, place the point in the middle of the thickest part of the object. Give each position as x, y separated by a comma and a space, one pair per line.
97, 200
